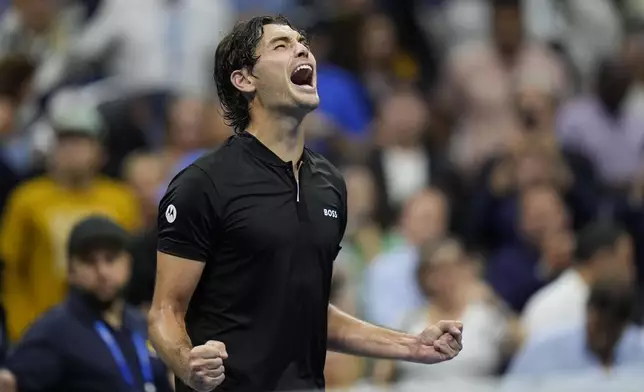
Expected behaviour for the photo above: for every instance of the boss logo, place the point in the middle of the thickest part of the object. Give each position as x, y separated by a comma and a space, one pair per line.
331, 213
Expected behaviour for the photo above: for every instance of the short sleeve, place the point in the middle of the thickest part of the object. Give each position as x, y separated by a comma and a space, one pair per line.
188, 216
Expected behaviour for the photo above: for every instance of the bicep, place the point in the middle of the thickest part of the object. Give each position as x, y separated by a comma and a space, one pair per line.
176, 281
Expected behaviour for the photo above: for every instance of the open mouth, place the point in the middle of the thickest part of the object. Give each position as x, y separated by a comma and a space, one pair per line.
303, 75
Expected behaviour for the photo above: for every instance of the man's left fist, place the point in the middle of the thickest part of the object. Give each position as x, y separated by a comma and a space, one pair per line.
438, 343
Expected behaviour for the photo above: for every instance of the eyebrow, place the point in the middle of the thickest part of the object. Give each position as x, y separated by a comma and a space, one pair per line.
283, 38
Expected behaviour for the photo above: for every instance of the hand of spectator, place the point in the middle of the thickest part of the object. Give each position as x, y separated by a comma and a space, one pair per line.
438, 343
207, 366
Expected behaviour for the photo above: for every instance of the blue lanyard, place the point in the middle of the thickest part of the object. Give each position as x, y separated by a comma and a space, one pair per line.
117, 354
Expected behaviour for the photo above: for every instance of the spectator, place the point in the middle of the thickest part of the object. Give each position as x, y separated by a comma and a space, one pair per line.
363, 238
603, 344
144, 173
478, 86
69, 347
598, 127
343, 99
41, 212
44, 31
517, 270
602, 250
390, 283
16, 73
163, 46
531, 160
453, 290
403, 162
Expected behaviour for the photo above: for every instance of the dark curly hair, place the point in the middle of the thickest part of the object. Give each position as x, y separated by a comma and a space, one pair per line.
237, 51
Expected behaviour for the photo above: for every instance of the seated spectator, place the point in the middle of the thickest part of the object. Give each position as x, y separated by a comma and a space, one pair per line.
144, 173
16, 73
453, 290
403, 163
602, 345
599, 127
390, 280
517, 270
531, 159
479, 83
92, 340
602, 250
185, 135
41, 212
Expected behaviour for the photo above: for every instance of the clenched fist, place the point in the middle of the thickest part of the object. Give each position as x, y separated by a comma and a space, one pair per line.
207, 366
438, 343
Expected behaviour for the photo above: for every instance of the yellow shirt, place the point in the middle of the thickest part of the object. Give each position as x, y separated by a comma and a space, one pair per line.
33, 241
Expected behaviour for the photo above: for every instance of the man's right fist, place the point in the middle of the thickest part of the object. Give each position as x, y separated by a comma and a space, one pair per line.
207, 366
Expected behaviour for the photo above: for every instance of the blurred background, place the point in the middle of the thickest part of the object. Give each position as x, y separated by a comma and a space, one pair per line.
493, 153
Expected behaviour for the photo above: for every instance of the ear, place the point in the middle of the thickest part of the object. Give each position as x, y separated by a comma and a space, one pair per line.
243, 81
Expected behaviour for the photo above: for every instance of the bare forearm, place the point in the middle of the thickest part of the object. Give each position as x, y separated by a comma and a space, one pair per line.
168, 334
349, 335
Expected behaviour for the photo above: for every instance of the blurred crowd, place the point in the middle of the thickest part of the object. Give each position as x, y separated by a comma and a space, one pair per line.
493, 152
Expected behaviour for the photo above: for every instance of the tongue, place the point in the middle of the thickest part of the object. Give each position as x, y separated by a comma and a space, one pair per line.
301, 76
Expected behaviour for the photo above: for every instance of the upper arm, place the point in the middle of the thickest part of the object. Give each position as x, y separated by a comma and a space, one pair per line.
187, 227
35, 362
100, 33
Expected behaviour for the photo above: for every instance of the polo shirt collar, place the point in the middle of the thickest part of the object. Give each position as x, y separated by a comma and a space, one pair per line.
258, 149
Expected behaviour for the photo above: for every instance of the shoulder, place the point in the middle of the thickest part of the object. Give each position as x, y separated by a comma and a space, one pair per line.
321, 166
31, 191
46, 325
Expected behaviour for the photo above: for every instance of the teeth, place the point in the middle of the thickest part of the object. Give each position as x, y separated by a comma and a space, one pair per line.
304, 66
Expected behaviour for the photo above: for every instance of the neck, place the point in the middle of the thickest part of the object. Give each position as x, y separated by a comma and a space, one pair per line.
114, 314
281, 134
72, 182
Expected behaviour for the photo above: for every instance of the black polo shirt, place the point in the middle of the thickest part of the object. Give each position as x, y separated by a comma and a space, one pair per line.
268, 249
62, 352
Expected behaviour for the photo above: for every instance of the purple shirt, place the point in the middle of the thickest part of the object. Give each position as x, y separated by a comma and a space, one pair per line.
613, 144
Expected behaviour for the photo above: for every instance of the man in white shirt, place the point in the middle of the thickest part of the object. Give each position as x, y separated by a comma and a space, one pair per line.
602, 250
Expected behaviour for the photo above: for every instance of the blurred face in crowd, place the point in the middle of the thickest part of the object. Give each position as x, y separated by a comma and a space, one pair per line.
542, 212
425, 217
442, 270
284, 77
378, 40
37, 14
508, 28
144, 174
616, 263
403, 119
101, 273
77, 157
186, 123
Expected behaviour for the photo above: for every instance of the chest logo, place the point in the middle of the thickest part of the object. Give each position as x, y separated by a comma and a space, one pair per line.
171, 213
330, 213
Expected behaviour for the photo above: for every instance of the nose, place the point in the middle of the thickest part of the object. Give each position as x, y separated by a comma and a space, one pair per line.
302, 51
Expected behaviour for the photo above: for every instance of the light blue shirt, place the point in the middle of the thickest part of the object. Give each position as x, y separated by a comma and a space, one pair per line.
391, 289
564, 353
